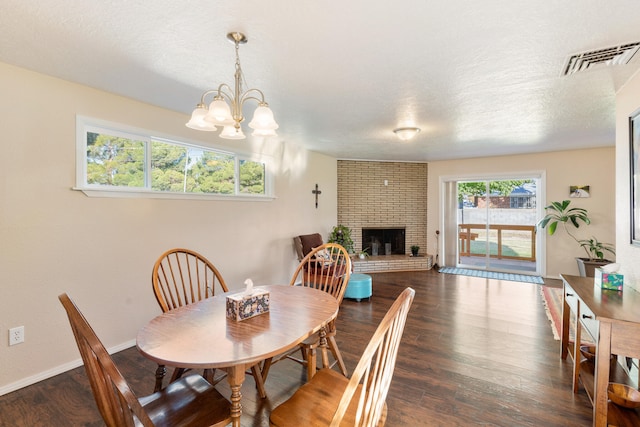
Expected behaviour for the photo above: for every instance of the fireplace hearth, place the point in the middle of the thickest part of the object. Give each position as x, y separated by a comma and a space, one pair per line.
384, 241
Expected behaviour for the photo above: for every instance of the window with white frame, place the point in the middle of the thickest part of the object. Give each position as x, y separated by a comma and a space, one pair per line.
114, 159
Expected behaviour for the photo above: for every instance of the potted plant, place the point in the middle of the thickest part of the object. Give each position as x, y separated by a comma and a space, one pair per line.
562, 213
342, 235
363, 253
414, 250
596, 250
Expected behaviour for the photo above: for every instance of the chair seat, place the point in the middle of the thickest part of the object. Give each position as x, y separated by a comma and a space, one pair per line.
193, 402
315, 402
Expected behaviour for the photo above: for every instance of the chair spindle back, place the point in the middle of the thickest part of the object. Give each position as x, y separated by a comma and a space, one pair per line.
375, 368
182, 276
327, 268
115, 399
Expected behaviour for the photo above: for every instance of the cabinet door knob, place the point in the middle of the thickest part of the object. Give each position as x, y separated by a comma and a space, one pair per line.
569, 295
587, 316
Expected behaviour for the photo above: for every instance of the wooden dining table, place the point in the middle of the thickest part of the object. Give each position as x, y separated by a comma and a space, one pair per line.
200, 335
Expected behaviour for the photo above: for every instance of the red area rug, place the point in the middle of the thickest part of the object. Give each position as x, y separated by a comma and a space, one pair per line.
552, 298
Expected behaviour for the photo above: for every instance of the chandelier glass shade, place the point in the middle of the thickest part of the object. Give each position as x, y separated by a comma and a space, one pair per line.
225, 109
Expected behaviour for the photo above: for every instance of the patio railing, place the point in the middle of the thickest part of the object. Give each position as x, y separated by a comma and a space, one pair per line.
506, 241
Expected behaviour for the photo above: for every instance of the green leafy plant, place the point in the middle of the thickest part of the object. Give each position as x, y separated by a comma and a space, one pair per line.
562, 213
414, 250
342, 235
596, 249
363, 253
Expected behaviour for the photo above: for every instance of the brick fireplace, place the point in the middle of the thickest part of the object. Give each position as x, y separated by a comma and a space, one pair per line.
384, 195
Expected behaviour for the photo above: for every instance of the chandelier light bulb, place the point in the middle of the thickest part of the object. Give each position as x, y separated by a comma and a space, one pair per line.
263, 119
198, 121
219, 113
231, 132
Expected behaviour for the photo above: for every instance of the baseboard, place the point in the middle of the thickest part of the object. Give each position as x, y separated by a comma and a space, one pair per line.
57, 370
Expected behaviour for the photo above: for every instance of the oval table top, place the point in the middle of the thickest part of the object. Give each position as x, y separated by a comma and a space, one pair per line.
200, 335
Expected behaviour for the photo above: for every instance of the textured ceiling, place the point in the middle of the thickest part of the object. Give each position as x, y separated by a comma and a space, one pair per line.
479, 78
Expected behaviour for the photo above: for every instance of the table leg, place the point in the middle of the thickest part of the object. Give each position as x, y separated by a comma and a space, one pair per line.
160, 373
566, 314
323, 348
577, 356
235, 376
603, 363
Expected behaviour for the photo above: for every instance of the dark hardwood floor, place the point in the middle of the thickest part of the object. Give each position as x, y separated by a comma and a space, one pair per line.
475, 352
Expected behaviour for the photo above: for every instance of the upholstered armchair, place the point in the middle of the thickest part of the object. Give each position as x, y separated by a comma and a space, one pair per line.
305, 244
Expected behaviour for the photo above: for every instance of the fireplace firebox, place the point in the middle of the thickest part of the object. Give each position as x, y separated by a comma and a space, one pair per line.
383, 241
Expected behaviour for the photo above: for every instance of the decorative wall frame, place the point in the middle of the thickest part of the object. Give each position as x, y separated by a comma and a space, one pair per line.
579, 191
634, 175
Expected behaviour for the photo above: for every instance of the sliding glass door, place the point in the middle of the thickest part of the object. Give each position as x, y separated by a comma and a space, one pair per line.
495, 224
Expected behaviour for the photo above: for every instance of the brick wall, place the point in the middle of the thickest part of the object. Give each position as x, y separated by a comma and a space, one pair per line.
365, 201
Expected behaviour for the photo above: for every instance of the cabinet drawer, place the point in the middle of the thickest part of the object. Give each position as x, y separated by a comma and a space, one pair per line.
571, 298
588, 320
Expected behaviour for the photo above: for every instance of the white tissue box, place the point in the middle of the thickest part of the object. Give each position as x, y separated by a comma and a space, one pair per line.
606, 280
241, 306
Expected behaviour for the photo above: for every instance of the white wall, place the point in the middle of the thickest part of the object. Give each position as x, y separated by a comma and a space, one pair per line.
627, 102
592, 167
101, 250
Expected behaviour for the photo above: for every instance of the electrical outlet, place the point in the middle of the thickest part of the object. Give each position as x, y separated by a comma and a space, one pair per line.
16, 335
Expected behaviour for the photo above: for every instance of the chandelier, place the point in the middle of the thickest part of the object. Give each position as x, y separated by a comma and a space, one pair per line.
225, 109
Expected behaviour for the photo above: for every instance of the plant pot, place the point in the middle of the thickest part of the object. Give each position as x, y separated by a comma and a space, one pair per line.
587, 267
414, 253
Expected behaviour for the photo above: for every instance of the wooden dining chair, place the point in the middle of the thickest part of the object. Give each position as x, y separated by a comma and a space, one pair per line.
330, 399
189, 401
327, 268
181, 277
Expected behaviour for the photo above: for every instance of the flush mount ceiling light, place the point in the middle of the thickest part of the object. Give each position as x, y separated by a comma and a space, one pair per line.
406, 134
226, 108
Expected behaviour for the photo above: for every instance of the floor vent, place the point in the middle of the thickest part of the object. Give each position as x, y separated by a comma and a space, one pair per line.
618, 55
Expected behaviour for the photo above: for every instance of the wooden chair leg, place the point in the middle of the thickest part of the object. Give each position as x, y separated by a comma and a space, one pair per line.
333, 346
209, 375
177, 373
311, 363
257, 375
266, 365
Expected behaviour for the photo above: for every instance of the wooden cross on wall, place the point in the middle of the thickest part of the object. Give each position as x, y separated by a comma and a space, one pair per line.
316, 192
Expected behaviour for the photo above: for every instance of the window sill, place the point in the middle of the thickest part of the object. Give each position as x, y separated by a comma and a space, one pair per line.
141, 194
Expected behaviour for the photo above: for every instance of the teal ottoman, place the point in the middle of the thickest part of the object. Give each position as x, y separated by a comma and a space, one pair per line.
359, 287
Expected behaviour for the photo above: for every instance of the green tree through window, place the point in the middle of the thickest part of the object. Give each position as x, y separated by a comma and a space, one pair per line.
121, 161
114, 161
251, 177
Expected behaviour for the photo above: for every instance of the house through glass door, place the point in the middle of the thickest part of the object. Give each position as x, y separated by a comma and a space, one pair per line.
496, 225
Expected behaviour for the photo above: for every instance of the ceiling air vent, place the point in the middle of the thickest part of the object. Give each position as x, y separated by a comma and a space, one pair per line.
618, 55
